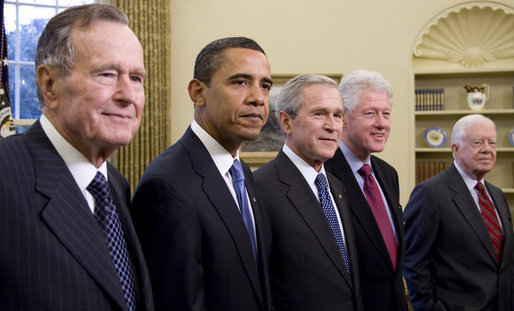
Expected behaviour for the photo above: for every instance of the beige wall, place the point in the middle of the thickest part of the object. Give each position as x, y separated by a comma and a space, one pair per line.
315, 36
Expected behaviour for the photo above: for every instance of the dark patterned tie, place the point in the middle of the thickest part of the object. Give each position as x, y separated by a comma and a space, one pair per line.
376, 203
108, 220
238, 179
490, 219
330, 213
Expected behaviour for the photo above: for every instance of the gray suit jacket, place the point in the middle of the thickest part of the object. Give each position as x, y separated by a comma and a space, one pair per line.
449, 262
53, 255
307, 271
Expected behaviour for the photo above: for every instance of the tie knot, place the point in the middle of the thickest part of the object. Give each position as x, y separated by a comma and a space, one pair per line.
237, 171
98, 187
321, 181
480, 187
365, 170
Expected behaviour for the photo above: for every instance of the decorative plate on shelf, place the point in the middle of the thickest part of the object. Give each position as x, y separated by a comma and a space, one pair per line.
435, 136
511, 137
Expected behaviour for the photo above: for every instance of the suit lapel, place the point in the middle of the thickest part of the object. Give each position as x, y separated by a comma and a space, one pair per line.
68, 215
342, 207
305, 202
121, 196
263, 264
468, 208
356, 202
215, 188
505, 218
388, 185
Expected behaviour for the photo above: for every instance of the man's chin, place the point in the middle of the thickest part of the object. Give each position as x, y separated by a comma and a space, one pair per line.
251, 135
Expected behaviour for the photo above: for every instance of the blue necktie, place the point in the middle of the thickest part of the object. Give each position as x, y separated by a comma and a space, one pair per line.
330, 213
108, 220
238, 179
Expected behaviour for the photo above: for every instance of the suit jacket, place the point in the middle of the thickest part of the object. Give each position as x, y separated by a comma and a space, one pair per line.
449, 262
382, 286
194, 238
307, 271
53, 254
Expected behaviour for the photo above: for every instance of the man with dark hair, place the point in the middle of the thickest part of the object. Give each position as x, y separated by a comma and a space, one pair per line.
195, 208
211, 58
459, 252
67, 240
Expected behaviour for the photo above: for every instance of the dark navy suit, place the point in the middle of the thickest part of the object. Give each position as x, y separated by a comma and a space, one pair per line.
53, 254
382, 286
306, 267
196, 244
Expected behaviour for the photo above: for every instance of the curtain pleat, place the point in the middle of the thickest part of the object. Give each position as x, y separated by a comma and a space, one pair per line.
150, 21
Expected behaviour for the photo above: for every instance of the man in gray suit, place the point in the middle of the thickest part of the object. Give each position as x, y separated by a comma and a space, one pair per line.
458, 230
313, 263
67, 241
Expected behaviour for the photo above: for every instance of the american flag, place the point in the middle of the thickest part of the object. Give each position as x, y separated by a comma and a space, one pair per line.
6, 121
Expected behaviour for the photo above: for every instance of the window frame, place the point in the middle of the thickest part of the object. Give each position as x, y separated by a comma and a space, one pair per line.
16, 64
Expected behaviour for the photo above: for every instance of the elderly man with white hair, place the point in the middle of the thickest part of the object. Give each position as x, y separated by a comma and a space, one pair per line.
458, 230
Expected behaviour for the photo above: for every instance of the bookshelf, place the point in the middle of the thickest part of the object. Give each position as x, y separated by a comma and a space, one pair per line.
499, 108
454, 49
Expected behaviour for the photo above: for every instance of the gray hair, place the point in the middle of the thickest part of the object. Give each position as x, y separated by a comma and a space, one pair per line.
55, 48
353, 84
463, 124
290, 98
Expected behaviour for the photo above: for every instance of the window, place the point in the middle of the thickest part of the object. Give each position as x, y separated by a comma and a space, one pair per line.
24, 22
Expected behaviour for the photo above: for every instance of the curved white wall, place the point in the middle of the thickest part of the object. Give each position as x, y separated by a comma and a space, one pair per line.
316, 36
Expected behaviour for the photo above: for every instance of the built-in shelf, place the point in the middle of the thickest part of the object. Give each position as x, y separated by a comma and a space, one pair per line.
465, 112
447, 149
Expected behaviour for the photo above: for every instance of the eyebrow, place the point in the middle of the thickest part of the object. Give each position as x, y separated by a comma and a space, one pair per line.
138, 71
248, 77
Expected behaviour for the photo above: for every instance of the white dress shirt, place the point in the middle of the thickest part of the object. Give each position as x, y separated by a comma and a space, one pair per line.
82, 170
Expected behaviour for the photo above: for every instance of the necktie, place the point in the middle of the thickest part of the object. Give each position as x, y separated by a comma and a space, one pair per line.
108, 220
490, 219
330, 213
378, 208
238, 179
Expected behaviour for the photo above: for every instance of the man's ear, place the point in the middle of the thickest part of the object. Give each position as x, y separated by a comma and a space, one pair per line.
285, 122
48, 81
196, 90
455, 149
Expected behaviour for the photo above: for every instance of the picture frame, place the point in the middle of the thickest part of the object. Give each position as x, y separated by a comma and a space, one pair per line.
265, 148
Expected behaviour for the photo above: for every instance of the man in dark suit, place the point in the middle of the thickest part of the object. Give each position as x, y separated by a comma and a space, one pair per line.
458, 230
200, 228
313, 263
63, 246
376, 217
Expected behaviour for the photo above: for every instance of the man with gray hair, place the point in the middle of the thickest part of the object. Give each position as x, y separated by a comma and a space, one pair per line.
372, 187
458, 229
67, 240
312, 256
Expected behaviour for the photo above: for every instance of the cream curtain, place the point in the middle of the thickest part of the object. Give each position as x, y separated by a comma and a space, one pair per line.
150, 21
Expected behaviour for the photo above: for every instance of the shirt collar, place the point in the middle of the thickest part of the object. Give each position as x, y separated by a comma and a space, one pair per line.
221, 157
354, 162
308, 172
470, 182
82, 170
